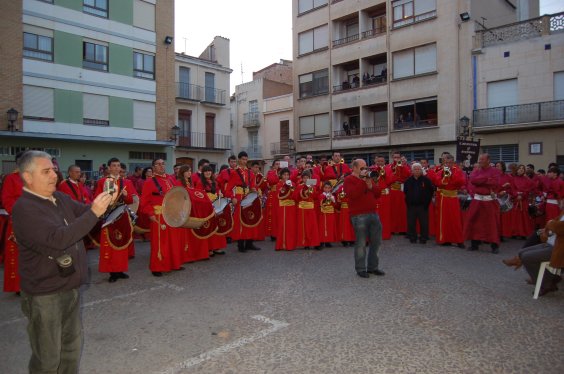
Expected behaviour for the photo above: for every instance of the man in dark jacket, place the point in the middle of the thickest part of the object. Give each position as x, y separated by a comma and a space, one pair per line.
49, 227
418, 190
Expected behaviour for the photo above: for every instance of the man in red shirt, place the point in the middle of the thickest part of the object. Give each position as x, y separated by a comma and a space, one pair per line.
73, 187
362, 193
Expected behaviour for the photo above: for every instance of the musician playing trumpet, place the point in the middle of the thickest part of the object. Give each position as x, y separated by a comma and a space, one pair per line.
327, 216
336, 170
113, 256
399, 171
384, 205
285, 210
306, 195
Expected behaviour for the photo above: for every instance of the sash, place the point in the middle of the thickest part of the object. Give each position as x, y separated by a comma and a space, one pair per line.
79, 198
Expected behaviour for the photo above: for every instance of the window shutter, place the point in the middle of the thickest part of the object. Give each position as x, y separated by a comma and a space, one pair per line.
38, 102
144, 115
96, 107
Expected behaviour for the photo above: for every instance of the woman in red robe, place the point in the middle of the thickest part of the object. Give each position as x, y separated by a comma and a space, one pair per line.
271, 217
12, 188
327, 216
345, 231
554, 188
505, 184
308, 229
522, 187
287, 228
208, 184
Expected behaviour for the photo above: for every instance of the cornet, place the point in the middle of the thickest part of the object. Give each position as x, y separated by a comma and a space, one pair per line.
447, 172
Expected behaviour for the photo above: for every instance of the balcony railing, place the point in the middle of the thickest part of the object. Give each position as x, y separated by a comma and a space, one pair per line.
188, 91
205, 140
375, 80
377, 129
531, 28
279, 148
346, 86
415, 124
251, 119
345, 133
516, 114
346, 40
254, 151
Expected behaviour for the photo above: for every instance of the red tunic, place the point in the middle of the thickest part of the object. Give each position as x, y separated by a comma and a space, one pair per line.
165, 240
447, 206
384, 206
335, 172
76, 191
554, 193
216, 241
505, 184
235, 187
483, 215
327, 218
521, 221
271, 216
287, 227
12, 189
308, 228
196, 247
397, 197
345, 232
113, 259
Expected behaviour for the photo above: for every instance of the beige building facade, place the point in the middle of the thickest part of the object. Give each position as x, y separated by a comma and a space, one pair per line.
202, 108
372, 77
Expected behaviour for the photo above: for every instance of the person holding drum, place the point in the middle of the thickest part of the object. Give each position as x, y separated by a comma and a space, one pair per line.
398, 171
241, 189
384, 204
271, 217
286, 238
327, 216
116, 239
308, 229
505, 200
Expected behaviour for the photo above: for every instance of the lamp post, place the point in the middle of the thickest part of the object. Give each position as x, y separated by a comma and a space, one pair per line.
175, 133
12, 118
464, 124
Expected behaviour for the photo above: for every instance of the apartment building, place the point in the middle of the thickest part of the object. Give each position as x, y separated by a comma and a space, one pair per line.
202, 110
261, 112
375, 76
87, 80
519, 91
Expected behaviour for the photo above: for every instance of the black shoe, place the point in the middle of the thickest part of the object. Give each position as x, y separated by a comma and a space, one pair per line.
495, 248
241, 246
157, 273
211, 254
413, 241
461, 245
242, 250
180, 268
473, 249
272, 239
219, 252
376, 272
328, 245
318, 248
228, 240
18, 293
122, 275
422, 241
362, 274
306, 247
113, 278
446, 244
253, 247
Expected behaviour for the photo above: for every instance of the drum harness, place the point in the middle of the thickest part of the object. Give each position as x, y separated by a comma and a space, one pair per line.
79, 198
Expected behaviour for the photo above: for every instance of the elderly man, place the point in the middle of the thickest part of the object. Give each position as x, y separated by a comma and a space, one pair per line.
362, 193
482, 219
73, 187
49, 227
418, 190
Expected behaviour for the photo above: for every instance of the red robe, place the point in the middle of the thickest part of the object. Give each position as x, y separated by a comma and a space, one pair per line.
114, 260
76, 191
554, 193
196, 247
287, 227
345, 231
483, 215
12, 189
271, 217
335, 172
240, 178
505, 184
397, 197
216, 241
308, 228
165, 240
327, 219
384, 205
521, 221
447, 206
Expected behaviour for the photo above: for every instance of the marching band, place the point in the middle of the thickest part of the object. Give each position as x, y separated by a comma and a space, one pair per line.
302, 207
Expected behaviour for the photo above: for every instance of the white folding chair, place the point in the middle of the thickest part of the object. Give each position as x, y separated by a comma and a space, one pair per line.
544, 266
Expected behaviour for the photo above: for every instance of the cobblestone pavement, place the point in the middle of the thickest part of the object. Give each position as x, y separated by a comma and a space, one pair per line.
437, 310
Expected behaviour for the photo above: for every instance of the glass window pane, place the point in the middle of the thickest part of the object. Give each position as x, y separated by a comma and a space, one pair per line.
137, 61
424, 6
30, 41
321, 37
403, 64
148, 63
305, 42
398, 13
322, 125
426, 59
102, 4
90, 2
307, 125
89, 51
44, 43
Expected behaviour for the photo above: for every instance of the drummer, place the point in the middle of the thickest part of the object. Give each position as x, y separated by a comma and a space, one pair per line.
114, 254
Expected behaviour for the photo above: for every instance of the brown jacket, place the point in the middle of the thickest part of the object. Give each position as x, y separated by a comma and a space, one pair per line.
557, 226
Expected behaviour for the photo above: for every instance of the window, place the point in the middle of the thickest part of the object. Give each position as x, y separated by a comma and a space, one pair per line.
144, 115
95, 110
503, 93
210, 88
38, 103
316, 83
185, 122
38, 46
139, 155
315, 126
307, 5
96, 7
144, 15
143, 65
95, 56
424, 154
313, 40
559, 85
506, 153
415, 113
409, 11
253, 106
415, 61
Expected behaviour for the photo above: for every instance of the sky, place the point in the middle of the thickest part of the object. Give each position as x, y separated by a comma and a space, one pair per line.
260, 31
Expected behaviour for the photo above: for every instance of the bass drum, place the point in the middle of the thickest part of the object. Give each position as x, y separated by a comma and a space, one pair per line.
251, 211
225, 220
176, 209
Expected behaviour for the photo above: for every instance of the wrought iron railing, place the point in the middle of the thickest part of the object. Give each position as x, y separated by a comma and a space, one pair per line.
375, 80
205, 140
346, 40
214, 96
251, 119
253, 151
188, 91
516, 114
345, 133
279, 148
346, 86
377, 129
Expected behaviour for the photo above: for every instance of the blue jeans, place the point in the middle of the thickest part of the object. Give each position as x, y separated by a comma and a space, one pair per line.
366, 226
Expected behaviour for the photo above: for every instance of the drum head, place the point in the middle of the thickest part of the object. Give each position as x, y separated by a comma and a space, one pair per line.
114, 215
248, 200
219, 204
176, 207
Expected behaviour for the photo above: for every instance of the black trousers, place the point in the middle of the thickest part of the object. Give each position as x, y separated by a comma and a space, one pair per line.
417, 213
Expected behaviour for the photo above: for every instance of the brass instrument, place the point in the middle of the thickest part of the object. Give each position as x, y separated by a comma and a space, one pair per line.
399, 163
330, 163
327, 199
342, 194
342, 161
447, 173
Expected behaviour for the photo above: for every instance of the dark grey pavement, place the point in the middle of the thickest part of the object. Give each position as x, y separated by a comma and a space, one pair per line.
437, 310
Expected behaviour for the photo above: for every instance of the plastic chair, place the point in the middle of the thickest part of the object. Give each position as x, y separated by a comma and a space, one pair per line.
544, 266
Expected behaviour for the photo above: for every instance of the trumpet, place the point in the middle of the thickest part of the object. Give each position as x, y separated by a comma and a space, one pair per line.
330, 163
447, 173
342, 161
342, 194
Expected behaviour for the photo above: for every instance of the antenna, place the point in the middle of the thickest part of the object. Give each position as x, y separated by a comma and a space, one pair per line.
185, 39
242, 72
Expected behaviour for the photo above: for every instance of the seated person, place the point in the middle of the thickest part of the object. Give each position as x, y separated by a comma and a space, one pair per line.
546, 245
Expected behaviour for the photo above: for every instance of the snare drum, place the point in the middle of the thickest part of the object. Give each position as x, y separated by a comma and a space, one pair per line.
220, 203
248, 200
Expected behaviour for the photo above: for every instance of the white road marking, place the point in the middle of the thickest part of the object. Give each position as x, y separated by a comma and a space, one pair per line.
275, 326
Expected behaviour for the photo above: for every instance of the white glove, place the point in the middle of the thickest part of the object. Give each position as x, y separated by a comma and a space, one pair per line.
289, 183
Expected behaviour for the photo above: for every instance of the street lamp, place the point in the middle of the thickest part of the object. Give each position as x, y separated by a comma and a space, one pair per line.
175, 132
12, 117
464, 124
291, 145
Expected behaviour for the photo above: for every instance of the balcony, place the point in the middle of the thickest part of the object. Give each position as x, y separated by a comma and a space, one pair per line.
200, 140
376, 129
380, 29
348, 39
214, 96
251, 120
279, 148
187, 91
254, 151
534, 113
